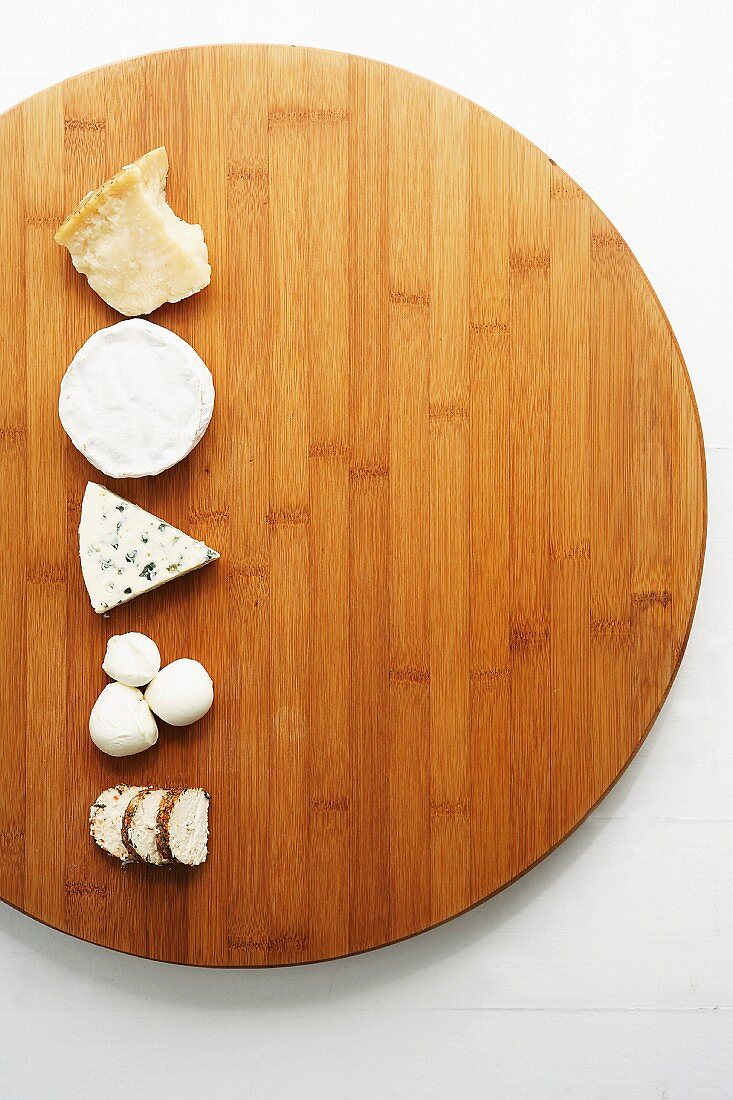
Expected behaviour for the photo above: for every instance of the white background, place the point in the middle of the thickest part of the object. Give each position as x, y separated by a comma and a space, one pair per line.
607, 972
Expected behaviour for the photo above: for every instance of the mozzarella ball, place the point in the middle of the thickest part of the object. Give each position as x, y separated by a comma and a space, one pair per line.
131, 659
121, 722
181, 693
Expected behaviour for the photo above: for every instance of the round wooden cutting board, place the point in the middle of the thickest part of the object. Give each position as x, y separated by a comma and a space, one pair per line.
455, 473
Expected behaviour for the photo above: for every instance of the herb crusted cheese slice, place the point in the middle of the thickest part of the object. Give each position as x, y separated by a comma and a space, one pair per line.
152, 825
126, 551
106, 817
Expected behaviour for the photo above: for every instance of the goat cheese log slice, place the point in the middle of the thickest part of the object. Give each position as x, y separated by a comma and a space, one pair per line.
183, 826
126, 551
139, 826
136, 399
135, 252
105, 819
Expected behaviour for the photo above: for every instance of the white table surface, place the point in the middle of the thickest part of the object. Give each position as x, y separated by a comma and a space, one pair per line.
607, 972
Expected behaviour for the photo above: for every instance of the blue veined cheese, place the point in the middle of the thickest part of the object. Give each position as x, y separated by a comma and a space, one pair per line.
126, 551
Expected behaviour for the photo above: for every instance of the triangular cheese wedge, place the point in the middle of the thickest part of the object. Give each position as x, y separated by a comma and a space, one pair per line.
126, 551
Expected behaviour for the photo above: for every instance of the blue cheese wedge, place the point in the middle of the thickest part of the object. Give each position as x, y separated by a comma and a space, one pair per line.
126, 551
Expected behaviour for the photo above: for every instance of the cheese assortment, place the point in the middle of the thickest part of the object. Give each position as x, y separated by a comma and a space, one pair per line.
126, 551
152, 825
136, 399
134, 251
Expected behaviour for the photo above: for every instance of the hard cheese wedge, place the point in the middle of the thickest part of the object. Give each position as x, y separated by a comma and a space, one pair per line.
126, 551
135, 252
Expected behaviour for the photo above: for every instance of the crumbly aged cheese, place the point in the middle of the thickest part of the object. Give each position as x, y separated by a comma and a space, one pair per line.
132, 659
139, 827
121, 722
181, 693
136, 399
105, 819
126, 551
150, 825
130, 245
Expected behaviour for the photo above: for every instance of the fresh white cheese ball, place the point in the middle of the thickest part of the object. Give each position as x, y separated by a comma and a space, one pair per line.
121, 722
131, 659
181, 693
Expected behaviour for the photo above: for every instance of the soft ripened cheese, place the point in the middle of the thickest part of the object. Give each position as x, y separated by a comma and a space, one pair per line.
126, 551
135, 252
105, 819
140, 825
181, 693
121, 722
132, 659
136, 399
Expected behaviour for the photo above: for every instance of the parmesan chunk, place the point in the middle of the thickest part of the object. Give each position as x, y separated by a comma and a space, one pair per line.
135, 252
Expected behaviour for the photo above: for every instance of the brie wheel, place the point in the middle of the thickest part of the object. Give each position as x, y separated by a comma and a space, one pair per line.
136, 399
135, 252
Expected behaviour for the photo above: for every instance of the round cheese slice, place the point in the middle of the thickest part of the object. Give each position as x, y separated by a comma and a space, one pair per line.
106, 817
139, 826
136, 399
183, 826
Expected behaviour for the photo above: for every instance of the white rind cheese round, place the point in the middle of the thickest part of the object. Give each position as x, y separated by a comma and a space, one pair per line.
136, 399
121, 722
132, 659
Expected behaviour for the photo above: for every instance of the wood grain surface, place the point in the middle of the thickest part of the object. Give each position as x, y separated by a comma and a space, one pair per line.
455, 473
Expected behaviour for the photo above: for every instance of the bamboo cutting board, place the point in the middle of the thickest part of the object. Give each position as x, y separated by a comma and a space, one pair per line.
455, 473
